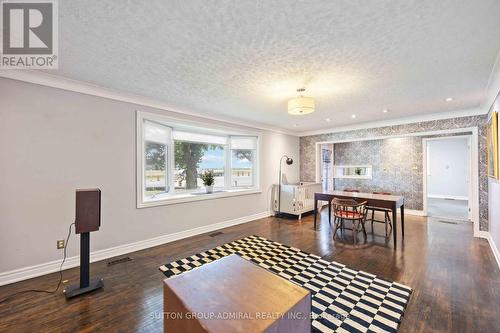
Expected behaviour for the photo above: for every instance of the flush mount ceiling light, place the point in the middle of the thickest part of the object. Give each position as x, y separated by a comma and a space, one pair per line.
301, 105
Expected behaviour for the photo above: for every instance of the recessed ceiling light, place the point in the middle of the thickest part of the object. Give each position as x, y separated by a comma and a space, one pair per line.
328, 119
385, 110
295, 125
353, 116
449, 99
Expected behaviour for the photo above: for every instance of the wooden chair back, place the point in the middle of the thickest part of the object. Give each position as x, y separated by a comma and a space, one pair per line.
341, 206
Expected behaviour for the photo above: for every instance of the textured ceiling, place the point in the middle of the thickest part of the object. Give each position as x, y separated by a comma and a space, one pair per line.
244, 59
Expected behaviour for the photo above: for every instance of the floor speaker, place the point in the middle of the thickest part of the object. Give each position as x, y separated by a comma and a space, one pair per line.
87, 219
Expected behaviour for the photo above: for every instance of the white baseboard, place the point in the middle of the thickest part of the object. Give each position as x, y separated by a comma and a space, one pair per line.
450, 197
53, 266
482, 234
494, 247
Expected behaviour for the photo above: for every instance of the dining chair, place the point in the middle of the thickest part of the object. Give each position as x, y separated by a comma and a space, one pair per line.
386, 211
352, 190
352, 211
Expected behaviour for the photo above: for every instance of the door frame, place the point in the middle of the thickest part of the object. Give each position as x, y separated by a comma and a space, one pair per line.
470, 176
331, 147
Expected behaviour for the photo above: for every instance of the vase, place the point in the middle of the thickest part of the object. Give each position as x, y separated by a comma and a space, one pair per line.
210, 188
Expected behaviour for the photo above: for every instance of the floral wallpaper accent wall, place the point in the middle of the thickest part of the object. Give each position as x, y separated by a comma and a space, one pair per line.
396, 163
412, 191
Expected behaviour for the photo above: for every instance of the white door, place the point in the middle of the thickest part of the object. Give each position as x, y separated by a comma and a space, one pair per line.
469, 180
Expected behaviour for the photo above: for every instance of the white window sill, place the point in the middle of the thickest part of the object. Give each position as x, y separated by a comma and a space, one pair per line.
172, 199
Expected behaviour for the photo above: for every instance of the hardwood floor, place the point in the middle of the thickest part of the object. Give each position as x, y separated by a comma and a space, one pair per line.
455, 278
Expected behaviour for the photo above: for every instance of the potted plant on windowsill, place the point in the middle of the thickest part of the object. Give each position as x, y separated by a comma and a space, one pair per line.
208, 180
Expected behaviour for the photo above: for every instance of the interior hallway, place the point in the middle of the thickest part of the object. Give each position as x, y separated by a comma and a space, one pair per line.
448, 209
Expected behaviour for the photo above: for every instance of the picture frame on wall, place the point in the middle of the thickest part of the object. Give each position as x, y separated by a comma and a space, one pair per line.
492, 142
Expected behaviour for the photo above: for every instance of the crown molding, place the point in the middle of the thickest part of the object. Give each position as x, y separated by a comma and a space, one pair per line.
493, 86
60, 82
398, 121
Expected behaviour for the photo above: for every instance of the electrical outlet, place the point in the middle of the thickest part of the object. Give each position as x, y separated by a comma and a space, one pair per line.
60, 244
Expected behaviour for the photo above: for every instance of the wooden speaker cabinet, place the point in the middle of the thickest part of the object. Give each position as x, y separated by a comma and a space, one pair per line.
88, 210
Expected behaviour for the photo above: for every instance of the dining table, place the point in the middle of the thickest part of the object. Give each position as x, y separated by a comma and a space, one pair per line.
392, 202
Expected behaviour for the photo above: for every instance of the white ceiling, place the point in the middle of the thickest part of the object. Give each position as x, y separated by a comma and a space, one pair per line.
244, 59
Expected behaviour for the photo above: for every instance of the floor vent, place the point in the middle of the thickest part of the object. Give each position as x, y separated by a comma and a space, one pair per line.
118, 261
449, 222
217, 233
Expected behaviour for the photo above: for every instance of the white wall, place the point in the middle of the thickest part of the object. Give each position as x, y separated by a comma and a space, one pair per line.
448, 168
494, 208
494, 215
54, 141
493, 101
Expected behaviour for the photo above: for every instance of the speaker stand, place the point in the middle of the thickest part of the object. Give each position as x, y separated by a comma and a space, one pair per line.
86, 284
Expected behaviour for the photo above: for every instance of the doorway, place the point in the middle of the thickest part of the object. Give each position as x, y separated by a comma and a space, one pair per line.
447, 177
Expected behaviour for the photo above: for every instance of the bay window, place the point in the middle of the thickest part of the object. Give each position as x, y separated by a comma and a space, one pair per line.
173, 155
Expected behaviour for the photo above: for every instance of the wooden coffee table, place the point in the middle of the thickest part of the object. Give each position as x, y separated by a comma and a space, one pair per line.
234, 295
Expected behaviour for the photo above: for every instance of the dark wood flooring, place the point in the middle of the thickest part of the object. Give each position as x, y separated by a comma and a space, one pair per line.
455, 278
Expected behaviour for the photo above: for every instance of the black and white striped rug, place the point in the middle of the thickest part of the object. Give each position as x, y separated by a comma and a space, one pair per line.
343, 299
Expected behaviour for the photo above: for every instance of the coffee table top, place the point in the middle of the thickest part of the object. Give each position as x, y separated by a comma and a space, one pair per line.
237, 287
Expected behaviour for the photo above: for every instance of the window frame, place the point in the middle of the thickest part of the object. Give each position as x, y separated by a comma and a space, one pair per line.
171, 156
168, 158
203, 128
230, 162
